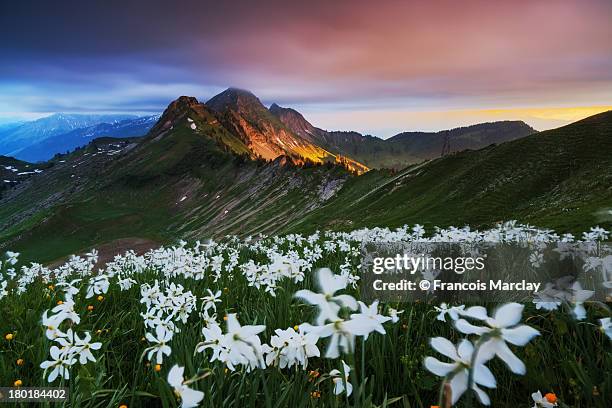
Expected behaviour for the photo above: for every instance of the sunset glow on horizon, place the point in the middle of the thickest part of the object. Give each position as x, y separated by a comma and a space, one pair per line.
377, 122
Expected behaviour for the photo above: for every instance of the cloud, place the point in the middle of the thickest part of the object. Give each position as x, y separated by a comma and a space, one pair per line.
341, 56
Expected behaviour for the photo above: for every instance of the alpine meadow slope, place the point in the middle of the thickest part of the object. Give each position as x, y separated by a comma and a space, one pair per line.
561, 178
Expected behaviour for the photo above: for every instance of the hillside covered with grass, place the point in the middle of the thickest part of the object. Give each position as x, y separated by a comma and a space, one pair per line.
196, 184
560, 178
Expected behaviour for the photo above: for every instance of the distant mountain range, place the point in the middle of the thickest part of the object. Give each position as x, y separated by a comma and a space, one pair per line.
62, 143
405, 148
244, 125
41, 139
231, 166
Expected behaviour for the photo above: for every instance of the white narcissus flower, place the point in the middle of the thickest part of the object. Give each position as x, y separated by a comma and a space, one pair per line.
76, 346
541, 401
65, 310
328, 304
286, 267
369, 316
160, 348
189, 397
207, 318
12, 257
341, 380
452, 311
343, 333
126, 284
548, 298
70, 289
214, 339
98, 285
60, 363
457, 372
342, 338
51, 323
84, 347
92, 256
243, 344
211, 299
288, 348
503, 327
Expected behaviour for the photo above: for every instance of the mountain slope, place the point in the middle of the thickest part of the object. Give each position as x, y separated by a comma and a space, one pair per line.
7, 126
561, 178
244, 115
188, 177
405, 148
428, 145
16, 140
47, 148
13, 172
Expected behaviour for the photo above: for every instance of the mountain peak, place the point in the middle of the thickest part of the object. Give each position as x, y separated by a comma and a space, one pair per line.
177, 110
183, 102
179, 107
234, 98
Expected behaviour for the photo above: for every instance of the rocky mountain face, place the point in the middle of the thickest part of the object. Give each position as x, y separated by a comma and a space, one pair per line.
245, 116
237, 120
240, 123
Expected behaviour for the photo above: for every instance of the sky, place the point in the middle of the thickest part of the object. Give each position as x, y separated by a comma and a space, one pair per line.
375, 67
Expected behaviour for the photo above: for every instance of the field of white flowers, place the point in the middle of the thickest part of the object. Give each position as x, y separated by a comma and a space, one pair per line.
278, 322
